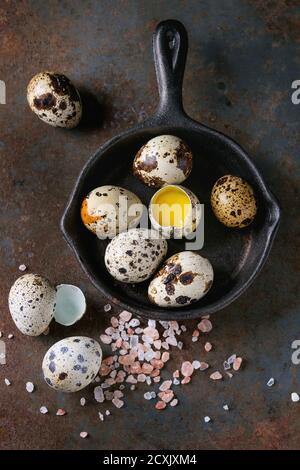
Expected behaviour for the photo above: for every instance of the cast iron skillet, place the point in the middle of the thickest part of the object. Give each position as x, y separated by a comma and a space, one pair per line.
236, 255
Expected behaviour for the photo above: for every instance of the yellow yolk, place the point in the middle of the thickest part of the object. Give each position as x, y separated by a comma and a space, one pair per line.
171, 206
85, 217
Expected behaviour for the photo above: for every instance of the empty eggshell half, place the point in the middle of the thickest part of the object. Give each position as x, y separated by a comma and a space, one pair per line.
70, 304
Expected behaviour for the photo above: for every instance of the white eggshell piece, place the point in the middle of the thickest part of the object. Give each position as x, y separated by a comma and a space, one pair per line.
135, 255
114, 210
70, 304
31, 303
54, 99
184, 278
163, 159
72, 363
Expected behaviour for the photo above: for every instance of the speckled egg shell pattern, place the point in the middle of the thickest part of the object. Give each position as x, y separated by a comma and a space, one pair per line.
163, 159
184, 278
106, 206
72, 363
135, 255
54, 99
31, 303
233, 201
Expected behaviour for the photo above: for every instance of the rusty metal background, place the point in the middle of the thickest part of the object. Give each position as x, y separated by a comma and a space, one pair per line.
242, 60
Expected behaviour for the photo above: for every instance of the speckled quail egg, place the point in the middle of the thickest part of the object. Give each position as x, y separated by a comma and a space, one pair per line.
54, 99
233, 201
163, 159
31, 303
109, 210
135, 255
184, 278
175, 211
72, 363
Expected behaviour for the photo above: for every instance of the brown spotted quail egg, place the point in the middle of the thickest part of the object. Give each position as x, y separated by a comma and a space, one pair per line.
109, 210
184, 278
233, 201
54, 99
31, 303
72, 363
163, 159
135, 255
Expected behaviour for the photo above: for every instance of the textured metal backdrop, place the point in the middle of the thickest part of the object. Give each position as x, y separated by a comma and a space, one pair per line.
242, 60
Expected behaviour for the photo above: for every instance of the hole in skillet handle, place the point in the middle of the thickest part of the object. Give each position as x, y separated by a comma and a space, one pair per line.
170, 46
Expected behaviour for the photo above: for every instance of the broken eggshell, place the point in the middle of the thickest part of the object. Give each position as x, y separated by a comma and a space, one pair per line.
33, 302
72, 363
54, 99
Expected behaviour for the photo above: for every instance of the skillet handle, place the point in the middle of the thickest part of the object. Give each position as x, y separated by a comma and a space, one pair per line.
170, 45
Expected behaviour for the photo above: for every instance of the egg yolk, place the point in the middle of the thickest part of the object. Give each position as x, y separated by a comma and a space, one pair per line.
85, 217
171, 206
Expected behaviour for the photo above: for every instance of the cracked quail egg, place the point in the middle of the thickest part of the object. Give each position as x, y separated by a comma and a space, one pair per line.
54, 99
165, 159
135, 255
233, 201
33, 302
72, 363
184, 278
109, 210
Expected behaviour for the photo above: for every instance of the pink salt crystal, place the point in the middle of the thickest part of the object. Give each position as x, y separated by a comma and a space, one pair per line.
187, 369
109, 360
157, 343
165, 385
156, 379
203, 366
186, 380
120, 376
60, 412
131, 380
130, 331
118, 343
166, 396
195, 333
110, 381
125, 315
118, 394
205, 325
106, 339
174, 402
160, 405
141, 378
104, 370
110, 331
117, 402
157, 355
127, 360
237, 363
171, 340
157, 363
135, 368
165, 356
151, 332
147, 368
155, 373
165, 345
216, 375
114, 322
174, 325
208, 347
83, 434
176, 374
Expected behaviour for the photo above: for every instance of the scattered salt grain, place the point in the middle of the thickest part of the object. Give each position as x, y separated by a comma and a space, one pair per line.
117, 402
196, 364
141, 378
101, 416
226, 407
205, 326
186, 380
10, 336
216, 375
237, 363
165, 356
165, 385
295, 397
107, 412
134, 322
180, 344
231, 359
61, 412
187, 369
29, 387
176, 373
183, 328
98, 394
125, 315
132, 387
176, 381
171, 340
204, 365
106, 339
82, 401
160, 405
22, 267
147, 396
194, 339
43, 410
7, 382
271, 382
153, 394
208, 347
226, 365
83, 434
207, 419
107, 308
174, 402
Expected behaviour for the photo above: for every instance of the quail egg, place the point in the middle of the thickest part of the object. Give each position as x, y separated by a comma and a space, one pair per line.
184, 278
174, 211
72, 363
165, 159
233, 201
135, 255
54, 99
109, 210
31, 303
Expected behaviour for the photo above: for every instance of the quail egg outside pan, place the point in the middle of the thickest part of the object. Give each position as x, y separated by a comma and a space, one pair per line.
237, 256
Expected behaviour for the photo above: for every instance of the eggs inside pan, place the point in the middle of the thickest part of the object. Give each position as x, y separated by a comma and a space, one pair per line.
165, 159
233, 202
108, 210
